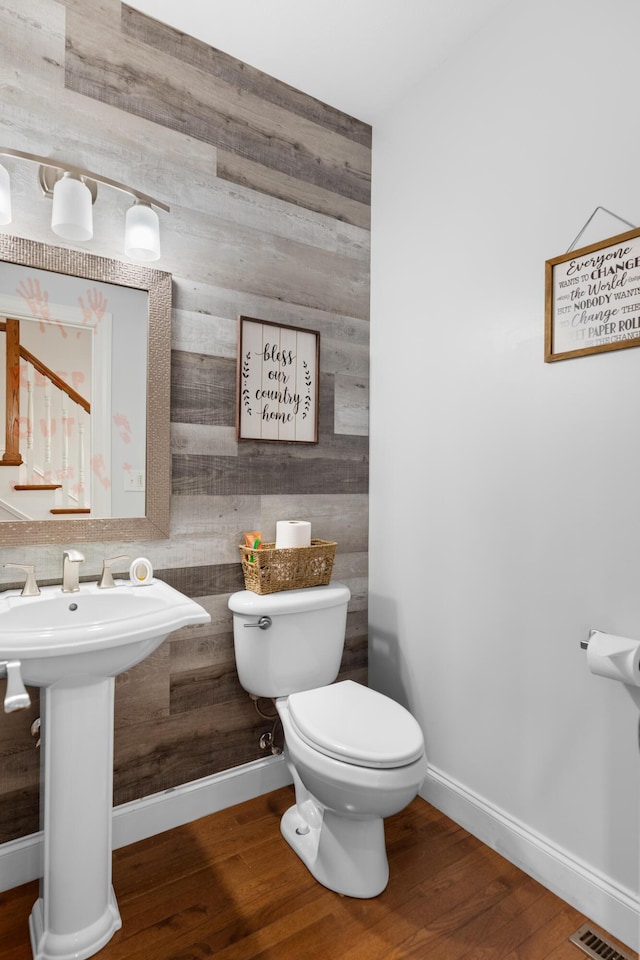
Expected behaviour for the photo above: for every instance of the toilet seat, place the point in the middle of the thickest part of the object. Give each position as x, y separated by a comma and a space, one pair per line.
357, 725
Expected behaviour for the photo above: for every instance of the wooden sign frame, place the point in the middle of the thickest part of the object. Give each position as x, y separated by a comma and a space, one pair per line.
277, 382
592, 299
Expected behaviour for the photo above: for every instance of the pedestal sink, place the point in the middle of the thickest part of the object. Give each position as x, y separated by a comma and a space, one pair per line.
73, 645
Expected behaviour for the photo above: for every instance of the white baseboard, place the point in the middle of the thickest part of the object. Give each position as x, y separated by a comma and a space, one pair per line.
615, 909
20, 860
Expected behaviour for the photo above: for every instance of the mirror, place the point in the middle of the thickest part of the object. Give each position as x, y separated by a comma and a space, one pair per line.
85, 354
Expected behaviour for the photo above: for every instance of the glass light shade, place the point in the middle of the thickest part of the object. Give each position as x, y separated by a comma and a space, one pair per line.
142, 232
5, 196
72, 214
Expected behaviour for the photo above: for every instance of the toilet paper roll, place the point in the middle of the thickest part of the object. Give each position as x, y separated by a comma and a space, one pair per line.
615, 657
293, 533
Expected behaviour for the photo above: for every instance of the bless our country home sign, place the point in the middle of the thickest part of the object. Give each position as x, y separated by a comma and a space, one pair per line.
277, 381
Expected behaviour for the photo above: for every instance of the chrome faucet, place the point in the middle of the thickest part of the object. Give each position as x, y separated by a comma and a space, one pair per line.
71, 560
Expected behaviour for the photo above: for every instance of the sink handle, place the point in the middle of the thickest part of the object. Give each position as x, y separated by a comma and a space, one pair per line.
31, 588
106, 580
16, 697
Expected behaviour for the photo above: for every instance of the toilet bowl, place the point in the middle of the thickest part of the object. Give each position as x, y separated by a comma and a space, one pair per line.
355, 755
336, 824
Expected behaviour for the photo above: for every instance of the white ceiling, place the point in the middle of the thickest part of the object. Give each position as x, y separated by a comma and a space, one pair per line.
356, 55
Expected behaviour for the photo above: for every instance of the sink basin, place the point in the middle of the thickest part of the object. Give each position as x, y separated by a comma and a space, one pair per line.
92, 632
73, 645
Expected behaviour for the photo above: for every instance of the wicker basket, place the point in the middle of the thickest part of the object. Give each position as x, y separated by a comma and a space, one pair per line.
268, 570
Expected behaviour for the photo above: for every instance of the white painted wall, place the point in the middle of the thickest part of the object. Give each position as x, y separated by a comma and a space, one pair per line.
504, 491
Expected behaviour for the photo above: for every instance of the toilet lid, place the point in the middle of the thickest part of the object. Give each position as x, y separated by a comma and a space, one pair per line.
357, 725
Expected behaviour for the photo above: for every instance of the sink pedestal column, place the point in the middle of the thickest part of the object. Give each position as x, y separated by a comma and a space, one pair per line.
76, 913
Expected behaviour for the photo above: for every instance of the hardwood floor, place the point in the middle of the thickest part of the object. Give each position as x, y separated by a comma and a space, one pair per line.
228, 886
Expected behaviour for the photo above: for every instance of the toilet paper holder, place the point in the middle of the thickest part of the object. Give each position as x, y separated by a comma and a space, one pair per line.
612, 656
585, 643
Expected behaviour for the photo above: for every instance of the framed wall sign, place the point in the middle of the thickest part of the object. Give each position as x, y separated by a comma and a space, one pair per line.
277, 382
592, 299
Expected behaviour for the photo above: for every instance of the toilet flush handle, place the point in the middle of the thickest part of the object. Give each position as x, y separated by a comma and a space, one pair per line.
263, 623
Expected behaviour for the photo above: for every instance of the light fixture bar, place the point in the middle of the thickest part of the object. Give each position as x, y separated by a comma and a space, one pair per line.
48, 164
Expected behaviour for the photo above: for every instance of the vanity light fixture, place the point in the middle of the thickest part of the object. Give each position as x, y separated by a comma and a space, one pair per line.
142, 232
72, 209
74, 192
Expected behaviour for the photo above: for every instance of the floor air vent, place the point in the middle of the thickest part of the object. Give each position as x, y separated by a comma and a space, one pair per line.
595, 946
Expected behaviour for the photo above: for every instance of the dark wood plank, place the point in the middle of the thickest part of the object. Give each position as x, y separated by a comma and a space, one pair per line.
173, 43
247, 173
204, 581
222, 476
19, 770
153, 756
20, 811
204, 686
203, 389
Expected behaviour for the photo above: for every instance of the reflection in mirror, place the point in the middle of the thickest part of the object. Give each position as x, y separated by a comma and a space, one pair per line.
84, 398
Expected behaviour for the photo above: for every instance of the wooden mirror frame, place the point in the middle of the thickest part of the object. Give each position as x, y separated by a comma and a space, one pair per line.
155, 524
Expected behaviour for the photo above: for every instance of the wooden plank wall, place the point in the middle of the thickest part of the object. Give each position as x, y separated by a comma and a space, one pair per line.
269, 197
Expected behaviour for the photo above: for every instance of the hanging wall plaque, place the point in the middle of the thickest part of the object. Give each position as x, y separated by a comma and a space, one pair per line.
277, 379
592, 299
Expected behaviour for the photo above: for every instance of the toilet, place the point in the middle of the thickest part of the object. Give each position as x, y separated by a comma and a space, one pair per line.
355, 755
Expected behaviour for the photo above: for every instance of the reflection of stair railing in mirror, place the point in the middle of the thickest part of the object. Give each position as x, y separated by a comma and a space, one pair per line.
49, 462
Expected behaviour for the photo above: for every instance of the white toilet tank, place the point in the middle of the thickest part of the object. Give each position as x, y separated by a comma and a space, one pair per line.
302, 647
